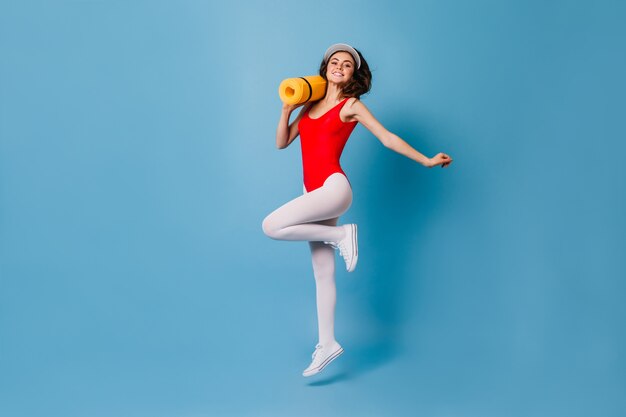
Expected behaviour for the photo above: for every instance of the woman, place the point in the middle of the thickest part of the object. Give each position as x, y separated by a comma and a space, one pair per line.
324, 127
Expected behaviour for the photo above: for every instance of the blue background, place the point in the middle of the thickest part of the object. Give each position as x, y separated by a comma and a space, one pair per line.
137, 161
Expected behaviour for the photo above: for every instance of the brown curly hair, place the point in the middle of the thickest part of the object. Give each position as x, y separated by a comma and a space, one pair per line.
361, 80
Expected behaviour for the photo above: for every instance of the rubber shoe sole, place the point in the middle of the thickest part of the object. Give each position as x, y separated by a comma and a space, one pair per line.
355, 248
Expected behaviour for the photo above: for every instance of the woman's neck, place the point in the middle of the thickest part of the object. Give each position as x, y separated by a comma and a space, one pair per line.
334, 93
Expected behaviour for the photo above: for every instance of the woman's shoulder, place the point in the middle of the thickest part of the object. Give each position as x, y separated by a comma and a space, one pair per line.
349, 109
348, 103
352, 106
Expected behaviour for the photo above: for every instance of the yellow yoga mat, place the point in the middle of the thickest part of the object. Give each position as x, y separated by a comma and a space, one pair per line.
302, 89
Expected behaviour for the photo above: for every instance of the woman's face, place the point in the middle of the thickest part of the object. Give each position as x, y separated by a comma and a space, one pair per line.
340, 67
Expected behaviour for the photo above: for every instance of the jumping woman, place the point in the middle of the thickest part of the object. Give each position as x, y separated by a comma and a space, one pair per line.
324, 127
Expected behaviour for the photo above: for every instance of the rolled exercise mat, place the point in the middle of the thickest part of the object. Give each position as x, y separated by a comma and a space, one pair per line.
302, 89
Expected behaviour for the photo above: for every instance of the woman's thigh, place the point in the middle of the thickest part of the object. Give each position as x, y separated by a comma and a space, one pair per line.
325, 203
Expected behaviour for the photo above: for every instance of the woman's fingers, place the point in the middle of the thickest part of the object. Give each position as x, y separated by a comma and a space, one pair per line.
445, 160
440, 159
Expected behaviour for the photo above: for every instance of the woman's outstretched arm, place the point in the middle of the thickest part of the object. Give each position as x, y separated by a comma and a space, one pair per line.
285, 132
357, 111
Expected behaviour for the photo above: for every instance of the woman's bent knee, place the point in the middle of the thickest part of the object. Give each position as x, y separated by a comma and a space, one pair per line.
272, 227
268, 227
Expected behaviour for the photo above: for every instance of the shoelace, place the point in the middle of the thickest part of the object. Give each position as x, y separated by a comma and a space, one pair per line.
342, 249
318, 348
343, 252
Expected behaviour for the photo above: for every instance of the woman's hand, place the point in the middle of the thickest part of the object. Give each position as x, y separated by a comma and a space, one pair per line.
291, 107
439, 159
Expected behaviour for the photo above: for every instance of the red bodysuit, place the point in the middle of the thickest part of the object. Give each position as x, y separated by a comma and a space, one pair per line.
322, 141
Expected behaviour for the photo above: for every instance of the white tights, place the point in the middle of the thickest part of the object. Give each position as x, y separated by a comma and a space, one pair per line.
313, 217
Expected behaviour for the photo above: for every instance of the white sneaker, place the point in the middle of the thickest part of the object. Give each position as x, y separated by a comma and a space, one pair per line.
321, 357
348, 246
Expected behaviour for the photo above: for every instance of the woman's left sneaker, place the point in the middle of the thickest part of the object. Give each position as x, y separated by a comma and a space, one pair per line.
322, 356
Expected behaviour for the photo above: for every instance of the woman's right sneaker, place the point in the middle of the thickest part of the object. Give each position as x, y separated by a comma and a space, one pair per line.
348, 246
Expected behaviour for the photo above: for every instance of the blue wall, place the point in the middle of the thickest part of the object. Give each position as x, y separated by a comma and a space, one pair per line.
137, 161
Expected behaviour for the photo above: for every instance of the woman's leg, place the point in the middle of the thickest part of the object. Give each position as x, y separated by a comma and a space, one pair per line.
323, 259
327, 349
296, 220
